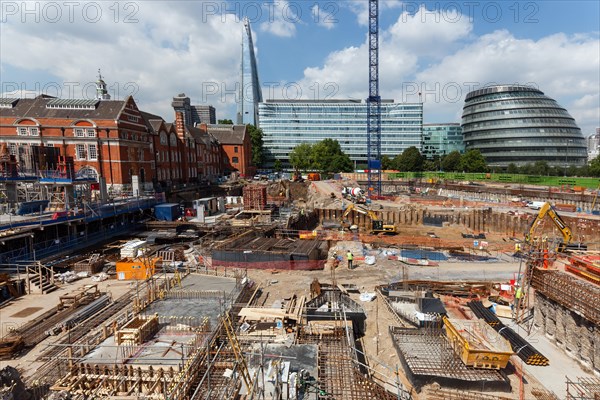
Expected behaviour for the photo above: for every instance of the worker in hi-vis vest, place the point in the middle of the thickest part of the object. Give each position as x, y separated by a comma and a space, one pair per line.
350, 258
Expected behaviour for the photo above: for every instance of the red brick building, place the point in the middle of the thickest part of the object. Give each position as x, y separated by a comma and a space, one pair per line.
111, 139
105, 138
236, 148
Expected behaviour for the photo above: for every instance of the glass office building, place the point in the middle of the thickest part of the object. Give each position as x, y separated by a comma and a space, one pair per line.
287, 123
520, 125
441, 139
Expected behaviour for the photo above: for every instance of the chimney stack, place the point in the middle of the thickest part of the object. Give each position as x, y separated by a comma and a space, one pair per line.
179, 125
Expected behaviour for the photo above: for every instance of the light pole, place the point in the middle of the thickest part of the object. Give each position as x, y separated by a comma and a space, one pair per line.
567, 156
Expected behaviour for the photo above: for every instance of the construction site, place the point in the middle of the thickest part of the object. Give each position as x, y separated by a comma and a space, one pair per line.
455, 291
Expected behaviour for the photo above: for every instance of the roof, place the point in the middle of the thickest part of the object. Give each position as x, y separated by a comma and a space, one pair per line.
152, 121
228, 134
37, 108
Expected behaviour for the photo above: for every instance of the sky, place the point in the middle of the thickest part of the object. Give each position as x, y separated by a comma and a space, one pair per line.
306, 49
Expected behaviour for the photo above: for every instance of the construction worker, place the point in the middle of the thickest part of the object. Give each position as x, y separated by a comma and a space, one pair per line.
350, 258
518, 296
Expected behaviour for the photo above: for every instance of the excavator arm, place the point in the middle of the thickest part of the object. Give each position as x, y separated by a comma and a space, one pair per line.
377, 226
565, 230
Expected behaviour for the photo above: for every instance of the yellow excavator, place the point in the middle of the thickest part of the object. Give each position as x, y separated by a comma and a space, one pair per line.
548, 210
377, 225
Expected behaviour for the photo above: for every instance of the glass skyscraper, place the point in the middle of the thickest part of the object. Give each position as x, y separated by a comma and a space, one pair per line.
441, 139
287, 123
519, 124
250, 91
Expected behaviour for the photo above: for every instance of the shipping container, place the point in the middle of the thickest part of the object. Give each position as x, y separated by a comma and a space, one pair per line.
167, 212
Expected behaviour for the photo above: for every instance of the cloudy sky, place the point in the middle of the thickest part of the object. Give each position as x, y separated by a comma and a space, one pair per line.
313, 49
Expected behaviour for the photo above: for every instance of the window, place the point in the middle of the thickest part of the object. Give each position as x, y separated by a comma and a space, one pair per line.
80, 152
235, 160
22, 131
91, 133
235, 149
34, 132
92, 152
79, 132
12, 149
163, 138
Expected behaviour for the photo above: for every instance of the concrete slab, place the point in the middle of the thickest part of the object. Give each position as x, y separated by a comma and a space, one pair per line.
192, 309
166, 348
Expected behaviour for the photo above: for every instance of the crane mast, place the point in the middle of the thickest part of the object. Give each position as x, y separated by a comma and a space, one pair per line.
374, 105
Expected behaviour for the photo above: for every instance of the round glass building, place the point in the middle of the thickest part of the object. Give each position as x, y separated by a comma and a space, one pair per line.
520, 125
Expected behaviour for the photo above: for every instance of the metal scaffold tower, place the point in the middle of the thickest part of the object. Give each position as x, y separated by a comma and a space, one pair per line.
374, 105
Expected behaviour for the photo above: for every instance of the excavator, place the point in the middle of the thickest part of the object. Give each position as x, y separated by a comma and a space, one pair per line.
377, 225
565, 230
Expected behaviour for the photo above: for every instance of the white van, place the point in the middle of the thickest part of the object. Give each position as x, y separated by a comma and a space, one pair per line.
536, 205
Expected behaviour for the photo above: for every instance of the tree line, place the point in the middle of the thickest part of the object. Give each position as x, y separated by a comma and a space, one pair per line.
327, 157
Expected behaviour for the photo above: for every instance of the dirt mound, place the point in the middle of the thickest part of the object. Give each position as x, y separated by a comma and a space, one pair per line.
288, 189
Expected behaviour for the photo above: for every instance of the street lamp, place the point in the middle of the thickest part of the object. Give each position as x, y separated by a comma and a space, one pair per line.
567, 155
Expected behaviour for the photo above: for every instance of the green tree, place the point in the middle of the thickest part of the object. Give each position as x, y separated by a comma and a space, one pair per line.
526, 169
541, 168
430, 165
301, 157
328, 157
473, 161
277, 165
256, 138
410, 160
594, 168
386, 162
512, 168
225, 122
451, 161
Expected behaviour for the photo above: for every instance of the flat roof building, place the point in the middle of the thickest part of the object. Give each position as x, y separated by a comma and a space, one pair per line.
441, 139
287, 123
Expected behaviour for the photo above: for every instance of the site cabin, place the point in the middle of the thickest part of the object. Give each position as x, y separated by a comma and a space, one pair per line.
135, 270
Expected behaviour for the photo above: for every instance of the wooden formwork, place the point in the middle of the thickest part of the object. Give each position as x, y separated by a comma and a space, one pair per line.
137, 331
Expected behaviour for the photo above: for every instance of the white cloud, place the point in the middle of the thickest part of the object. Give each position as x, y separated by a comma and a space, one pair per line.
442, 59
561, 66
361, 8
282, 19
153, 59
401, 48
323, 18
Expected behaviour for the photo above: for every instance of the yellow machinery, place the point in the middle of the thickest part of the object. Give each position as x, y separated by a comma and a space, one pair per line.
547, 209
377, 225
477, 344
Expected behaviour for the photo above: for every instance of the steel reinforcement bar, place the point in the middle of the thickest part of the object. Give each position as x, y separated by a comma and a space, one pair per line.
520, 346
575, 294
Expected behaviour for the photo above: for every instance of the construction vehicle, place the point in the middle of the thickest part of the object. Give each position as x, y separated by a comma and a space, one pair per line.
547, 209
314, 176
354, 194
377, 225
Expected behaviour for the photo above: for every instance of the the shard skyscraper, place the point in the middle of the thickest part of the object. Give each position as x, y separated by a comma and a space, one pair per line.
250, 90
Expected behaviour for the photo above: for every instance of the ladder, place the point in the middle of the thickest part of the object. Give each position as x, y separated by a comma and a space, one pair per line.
237, 351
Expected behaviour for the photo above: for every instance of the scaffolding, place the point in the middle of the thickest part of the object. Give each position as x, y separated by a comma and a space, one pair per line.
583, 389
